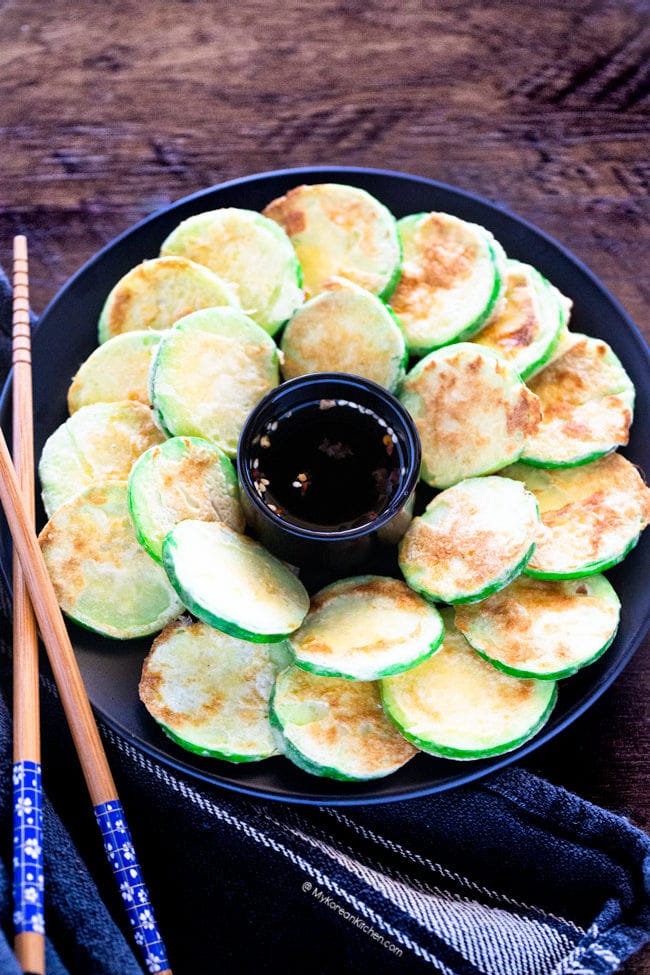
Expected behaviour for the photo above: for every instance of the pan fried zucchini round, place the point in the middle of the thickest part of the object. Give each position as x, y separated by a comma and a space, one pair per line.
211, 369
103, 578
525, 328
335, 728
472, 411
345, 329
184, 477
543, 628
456, 705
251, 253
364, 628
452, 278
592, 515
99, 442
472, 540
156, 293
210, 692
117, 370
587, 404
340, 231
232, 583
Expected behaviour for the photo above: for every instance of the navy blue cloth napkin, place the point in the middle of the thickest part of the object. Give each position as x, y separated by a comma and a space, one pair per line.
509, 877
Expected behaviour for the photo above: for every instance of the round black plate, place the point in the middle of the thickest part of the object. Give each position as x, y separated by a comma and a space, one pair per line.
67, 334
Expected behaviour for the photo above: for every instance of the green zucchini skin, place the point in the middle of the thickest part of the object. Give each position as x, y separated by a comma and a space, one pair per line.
216, 541
588, 569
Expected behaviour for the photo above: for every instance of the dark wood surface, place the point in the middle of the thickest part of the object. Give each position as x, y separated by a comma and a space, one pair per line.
110, 111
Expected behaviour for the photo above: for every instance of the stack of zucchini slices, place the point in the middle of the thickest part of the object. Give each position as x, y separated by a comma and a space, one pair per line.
501, 592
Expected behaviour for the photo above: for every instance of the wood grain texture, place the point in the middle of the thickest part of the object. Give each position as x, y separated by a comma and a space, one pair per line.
112, 111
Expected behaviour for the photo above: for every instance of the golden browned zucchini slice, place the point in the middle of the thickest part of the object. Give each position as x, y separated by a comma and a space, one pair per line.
457, 705
251, 253
452, 277
210, 691
364, 628
103, 578
592, 515
472, 540
472, 411
99, 442
184, 477
117, 370
543, 628
587, 404
156, 293
334, 727
340, 231
345, 329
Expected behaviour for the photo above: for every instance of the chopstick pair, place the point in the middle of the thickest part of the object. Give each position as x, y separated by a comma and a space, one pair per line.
34, 596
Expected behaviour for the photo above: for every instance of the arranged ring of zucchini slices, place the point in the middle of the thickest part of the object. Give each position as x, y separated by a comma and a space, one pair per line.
232, 583
364, 628
99, 442
452, 278
472, 411
251, 253
158, 292
340, 231
345, 329
457, 705
472, 540
211, 369
103, 578
210, 692
592, 515
117, 370
335, 728
525, 328
546, 629
184, 477
587, 403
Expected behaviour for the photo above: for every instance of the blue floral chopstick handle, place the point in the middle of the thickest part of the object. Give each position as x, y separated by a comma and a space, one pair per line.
135, 896
29, 916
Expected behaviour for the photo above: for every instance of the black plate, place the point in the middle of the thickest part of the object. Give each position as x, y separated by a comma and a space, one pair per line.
66, 335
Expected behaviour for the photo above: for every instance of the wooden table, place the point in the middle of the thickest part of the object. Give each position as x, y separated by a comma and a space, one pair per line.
111, 111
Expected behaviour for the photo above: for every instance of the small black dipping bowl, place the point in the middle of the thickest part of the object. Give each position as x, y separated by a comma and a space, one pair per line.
328, 465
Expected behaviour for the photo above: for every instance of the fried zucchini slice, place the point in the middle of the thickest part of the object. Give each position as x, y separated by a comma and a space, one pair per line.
543, 628
472, 411
209, 372
210, 692
345, 329
335, 728
156, 293
452, 278
103, 578
593, 515
251, 253
99, 442
456, 705
232, 583
340, 231
117, 370
587, 405
364, 628
184, 477
525, 328
472, 540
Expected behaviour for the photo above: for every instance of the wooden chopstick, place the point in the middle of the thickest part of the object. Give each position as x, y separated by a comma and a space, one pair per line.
107, 806
28, 808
